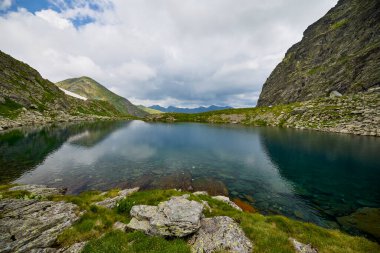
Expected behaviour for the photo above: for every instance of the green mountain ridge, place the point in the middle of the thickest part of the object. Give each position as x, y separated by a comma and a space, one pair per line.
340, 52
149, 110
25, 95
89, 88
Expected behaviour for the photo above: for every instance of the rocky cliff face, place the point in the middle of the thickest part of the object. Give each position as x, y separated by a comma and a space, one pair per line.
340, 52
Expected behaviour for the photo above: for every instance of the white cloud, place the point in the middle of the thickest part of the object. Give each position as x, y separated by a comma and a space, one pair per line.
5, 4
54, 19
163, 52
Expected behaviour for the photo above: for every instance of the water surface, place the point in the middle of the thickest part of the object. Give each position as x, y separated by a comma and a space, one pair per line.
306, 175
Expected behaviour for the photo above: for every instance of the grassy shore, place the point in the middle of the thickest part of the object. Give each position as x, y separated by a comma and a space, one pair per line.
268, 233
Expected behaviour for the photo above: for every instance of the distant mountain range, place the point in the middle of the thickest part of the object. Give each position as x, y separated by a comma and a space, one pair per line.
189, 110
89, 88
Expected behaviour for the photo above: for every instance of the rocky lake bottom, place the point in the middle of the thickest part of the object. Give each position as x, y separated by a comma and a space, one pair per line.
324, 178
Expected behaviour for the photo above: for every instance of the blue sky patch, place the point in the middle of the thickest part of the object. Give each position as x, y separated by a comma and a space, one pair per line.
34, 6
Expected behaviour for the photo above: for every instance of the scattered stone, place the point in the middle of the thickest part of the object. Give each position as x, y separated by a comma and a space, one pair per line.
197, 193
302, 248
227, 201
111, 202
30, 224
75, 248
206, 205
364, 219
176, 217
218, 234
39, 190
119, 226
335, 93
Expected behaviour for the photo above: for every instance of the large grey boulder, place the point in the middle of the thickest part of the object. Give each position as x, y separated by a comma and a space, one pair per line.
30, 225
111, 202
176, 217
39, 190
220, 233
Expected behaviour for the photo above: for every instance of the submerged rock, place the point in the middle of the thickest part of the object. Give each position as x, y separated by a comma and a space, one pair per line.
111, 202
176, 217
227, 201
176, 180
301, 247
364, 219
27, 225
39, 190
218, 234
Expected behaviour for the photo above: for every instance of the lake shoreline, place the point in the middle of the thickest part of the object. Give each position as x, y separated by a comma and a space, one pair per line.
118, 209
357, 114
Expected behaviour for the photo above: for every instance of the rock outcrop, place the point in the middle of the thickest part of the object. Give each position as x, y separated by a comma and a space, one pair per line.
220, 233
111, 202
176, 217
39, 190
339, 53
33, 226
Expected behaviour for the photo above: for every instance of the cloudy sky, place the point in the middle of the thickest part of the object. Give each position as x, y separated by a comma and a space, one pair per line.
166, 52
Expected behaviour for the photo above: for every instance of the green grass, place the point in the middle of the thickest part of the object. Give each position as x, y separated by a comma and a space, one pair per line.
120, 242
151, 197
10, 109
268, 233
339, 24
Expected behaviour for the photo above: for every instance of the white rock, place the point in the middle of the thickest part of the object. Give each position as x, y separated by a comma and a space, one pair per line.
227, 201
302, 248
220, 233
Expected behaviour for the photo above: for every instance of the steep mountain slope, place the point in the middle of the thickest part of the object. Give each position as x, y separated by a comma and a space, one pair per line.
89, 88
189, 110
149, 110
26, 97
340, 52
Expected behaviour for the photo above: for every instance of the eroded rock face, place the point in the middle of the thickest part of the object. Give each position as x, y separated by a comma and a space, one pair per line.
31, 225
340, 52
111, 202
177, 217
39, 190
218, 234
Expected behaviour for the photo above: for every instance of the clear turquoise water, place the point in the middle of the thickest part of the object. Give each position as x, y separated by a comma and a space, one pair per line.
306, 175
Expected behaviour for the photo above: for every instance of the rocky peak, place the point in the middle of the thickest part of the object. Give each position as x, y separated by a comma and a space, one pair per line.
340, 52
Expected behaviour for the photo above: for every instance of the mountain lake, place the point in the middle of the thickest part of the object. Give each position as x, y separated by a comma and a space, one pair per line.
306, 175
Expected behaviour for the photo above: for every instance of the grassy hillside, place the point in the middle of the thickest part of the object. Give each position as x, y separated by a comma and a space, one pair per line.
22, 90
149, 110
91, 89
357, 114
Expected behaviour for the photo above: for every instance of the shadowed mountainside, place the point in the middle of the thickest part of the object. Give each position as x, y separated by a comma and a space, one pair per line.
340, 52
